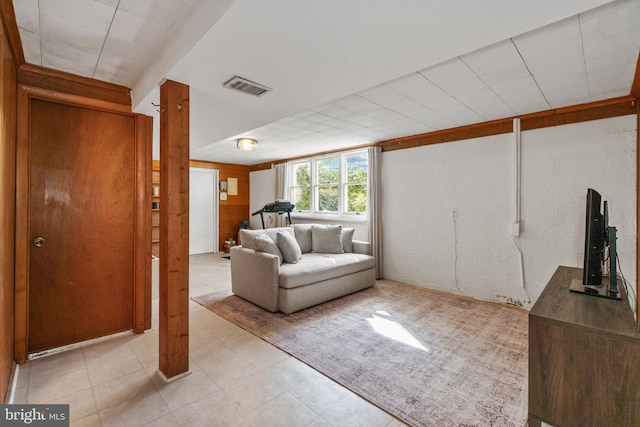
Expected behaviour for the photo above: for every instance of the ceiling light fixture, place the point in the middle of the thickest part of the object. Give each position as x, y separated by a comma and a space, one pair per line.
247, 144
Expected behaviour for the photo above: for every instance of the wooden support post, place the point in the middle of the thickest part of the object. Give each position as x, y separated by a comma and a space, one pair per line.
174, 230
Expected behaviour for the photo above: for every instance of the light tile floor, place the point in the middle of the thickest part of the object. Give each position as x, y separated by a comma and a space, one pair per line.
236, 378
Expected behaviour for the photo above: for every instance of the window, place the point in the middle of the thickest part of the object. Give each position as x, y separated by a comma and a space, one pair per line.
327, 184
357, 172
301, 188
331, 185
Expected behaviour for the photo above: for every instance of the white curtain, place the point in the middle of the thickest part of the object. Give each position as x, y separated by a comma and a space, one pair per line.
374, 207
282, 184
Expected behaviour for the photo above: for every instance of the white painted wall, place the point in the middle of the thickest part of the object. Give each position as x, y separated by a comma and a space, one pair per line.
262, 187
559, 164
475, 255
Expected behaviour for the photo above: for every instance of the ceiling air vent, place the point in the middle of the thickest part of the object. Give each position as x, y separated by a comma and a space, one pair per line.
246, 86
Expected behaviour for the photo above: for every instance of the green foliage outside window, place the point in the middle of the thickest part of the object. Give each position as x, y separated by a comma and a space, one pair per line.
328, 198
357, 198
357, 170
327, 184
328, 173
302, 192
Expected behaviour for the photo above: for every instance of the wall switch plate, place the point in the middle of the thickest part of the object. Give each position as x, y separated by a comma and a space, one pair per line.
514, 229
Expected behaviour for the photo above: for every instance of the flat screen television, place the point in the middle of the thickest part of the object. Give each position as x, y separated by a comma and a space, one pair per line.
594, 242
599, 251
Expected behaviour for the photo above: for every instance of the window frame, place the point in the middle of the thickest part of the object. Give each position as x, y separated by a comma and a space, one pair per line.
342, 186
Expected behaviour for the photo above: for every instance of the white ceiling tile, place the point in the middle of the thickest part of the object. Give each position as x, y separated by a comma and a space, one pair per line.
336, 111
60, 48
27, 15
112, 3
567, 99
498, 55
443, 103
26, 3
490, 108
31, 47
381, 95
317, 117
89, 15
436, 121
615, 17
497, 64
78, 37
559, 36
406, 107
388, 116
58, 63
410, 84
522, 96
611, 75
612, 43
453, 77
419, 89
475, 95
460, 114
353, 102
168, 14
556, 58
556, 44
134, 30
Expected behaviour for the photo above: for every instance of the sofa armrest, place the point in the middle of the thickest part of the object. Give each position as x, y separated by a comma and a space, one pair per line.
255, 277
360, 247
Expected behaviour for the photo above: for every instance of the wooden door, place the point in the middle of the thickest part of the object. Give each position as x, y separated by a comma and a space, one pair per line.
81, 224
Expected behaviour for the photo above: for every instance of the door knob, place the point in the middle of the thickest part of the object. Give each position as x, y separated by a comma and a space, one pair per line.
39, 242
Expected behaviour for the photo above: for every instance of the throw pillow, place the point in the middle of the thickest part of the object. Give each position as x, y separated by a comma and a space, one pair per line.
303, 236
289, 247
347, 239
245, 238
264, 243
326, 239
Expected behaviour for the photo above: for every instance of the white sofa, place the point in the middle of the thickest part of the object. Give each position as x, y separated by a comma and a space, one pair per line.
290, 268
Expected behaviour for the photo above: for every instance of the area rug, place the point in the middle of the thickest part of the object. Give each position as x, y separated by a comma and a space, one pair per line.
427, 357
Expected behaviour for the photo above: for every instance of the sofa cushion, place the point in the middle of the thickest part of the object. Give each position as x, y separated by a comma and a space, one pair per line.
303, 236
288, 245
246, 236
347, 239
315, 267
264, 243
326, 239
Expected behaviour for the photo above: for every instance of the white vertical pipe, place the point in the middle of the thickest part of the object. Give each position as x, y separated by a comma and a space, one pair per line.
515, 225
516, 171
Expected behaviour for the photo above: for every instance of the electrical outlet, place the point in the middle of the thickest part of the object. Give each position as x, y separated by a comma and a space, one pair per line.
454, 212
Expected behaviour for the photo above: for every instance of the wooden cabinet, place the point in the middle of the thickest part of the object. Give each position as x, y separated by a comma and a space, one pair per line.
584, 358
155, 214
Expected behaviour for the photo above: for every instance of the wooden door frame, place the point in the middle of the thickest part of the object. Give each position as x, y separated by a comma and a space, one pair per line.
142, 214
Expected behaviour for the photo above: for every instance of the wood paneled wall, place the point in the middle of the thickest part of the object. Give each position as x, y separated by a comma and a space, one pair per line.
7, 208
236, 208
